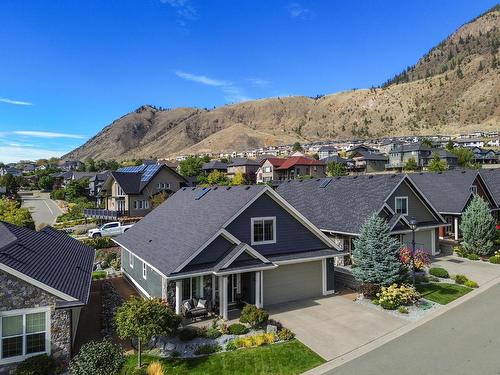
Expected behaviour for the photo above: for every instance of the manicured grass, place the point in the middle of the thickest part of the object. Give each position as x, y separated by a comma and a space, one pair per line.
442, 293
291, 357
97, 275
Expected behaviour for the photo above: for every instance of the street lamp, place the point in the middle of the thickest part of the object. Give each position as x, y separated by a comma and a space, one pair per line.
413, 227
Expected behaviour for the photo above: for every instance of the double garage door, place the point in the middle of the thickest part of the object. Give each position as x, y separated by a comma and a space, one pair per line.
292, 282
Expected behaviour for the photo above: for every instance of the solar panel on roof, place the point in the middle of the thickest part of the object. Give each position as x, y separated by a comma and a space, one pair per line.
149, 172
201, 193
132, 169
325, 183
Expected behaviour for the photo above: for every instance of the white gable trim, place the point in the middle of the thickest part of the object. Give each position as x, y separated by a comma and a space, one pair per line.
36, 283
246, 248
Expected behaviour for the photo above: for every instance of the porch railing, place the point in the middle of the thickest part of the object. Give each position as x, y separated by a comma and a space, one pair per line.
103, 214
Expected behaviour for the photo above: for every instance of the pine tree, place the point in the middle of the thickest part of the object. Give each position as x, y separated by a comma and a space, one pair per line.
478, 227
411, 165
436, 164
375, 254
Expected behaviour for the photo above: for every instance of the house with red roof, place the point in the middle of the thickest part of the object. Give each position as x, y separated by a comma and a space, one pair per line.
267, 171
299, 166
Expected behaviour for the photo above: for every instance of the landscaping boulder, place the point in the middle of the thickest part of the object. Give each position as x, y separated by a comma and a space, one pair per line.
271, 329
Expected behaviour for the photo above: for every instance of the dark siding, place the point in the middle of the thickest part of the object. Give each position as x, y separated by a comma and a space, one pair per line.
416, 208
213, 252
153, 281
330, 274
291, 235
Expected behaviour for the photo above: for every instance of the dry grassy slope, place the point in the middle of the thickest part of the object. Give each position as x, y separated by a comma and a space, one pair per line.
462, 98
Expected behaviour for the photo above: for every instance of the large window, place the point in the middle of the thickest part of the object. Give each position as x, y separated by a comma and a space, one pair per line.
401, 205
141, 205
23, 334
190, 288
263, 230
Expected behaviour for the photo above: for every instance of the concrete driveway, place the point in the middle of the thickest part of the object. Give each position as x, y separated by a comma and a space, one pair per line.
334, 325
476, 270
43, 209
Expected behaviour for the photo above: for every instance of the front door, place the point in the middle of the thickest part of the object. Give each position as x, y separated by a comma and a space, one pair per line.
233, 287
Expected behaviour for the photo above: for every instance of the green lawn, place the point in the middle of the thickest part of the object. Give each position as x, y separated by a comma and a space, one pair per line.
291, 357
442, 293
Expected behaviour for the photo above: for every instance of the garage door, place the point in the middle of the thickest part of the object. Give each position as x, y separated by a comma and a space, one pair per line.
423, 240
293, 282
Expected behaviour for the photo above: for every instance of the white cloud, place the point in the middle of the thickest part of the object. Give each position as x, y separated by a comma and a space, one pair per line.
42, 134
184, 9
14, 154
259, 82
235, 94
15, 102
298, 11
202, 79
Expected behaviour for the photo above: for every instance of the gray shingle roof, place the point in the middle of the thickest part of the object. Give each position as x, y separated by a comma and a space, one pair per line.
344, 204
183, 224
214, 164
447, 191
492, 179
415, 146
242, 161
50, 257
336, 159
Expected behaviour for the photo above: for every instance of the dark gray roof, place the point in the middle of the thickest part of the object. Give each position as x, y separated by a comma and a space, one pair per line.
336, 159
303, 255
214, 164
129, 182
135, 178
367, 155
173, 232
415, 146
492, 179
344, 204
447, 191
327, 148
49, 256
443, 154
243, 161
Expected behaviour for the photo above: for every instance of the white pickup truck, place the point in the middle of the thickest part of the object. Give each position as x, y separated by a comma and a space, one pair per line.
108, 230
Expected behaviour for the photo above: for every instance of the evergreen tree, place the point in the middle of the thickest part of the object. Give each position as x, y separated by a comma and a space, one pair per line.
411, 165
297, 147
335, 169
375, 254
436, 164
478, 227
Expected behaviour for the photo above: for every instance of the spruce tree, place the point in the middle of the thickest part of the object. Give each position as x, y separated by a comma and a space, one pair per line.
478, 227
375, 254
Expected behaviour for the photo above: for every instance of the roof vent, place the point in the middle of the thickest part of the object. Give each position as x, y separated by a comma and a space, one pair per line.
464, 171
229, 187
318, 179
215, 187
201, 193
150, 241
355, 177
193, 189
247, 187
183, 188
325, 182
301, 180
370, 176
338, 177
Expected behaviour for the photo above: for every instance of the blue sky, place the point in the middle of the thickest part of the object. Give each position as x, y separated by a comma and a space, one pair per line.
68, 68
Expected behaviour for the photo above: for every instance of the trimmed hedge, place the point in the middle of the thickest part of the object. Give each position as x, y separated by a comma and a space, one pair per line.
471, 284
473, 257
37, 365
495, 259
460, 279
237, 329
439, 272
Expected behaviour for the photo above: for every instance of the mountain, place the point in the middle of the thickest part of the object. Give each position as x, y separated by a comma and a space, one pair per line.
454, 88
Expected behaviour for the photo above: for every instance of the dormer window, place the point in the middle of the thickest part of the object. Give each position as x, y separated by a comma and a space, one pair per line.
401, 204
263, 230
473, 189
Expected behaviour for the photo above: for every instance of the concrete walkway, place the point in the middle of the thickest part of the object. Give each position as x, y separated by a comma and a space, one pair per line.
43, 209
334, 325
479, 271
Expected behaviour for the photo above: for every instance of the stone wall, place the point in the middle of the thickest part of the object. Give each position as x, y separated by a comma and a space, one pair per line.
17, 294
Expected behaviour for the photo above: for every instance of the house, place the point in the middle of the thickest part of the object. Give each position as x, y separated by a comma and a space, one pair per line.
45, 280
246, 166
363, 148
96, 182
483, 156
399, 155
62, 179
300, 166
70, 165
228, 244
491, 177
327, 151
339, 206
450, 192
494, 142
450, 158
368, 161
10, 170
214, 165
268, 170
348, 163
128, 191
468, 142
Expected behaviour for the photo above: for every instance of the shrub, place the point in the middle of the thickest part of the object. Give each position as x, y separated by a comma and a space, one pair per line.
403, 310
116, 264
471, 284
375, 301
231, 345
237, 329
212, 333
255, 340
392, 297
473, 257
37, 365
422, 279
285, 334
495, 259
175, 354
188, 333
369, 290
224, 329
460, 251
100, 243
460, 279
254, 316
97, 275
207, 349
155, 368
97, 358
57, 194
439, 272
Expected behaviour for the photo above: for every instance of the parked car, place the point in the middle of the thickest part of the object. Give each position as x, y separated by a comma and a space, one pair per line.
108, 230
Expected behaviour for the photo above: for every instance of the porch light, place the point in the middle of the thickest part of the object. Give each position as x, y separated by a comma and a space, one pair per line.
413, 223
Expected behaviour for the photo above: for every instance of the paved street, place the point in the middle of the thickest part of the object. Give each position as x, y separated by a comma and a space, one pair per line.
42, 208
464, 340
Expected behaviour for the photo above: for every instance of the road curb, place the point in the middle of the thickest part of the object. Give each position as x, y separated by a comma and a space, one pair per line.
378, 342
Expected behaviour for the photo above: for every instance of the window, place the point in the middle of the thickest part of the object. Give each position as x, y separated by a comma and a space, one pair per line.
119, 190
190, 288
23, 335
402, 205
473, 189
267, 169
162, 185
144, 271
131, 260
263, 230
141, 205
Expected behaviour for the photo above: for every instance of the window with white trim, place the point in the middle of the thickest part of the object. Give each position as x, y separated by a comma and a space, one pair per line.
131, 260
267, 170
23, 335
473, 189
144, 271
141, 205
162, 185
263, 230
401, 205
190, 288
